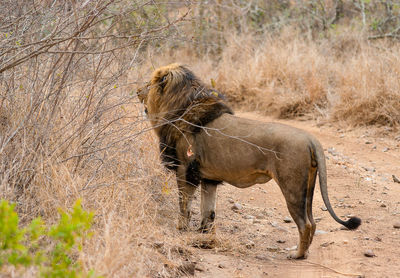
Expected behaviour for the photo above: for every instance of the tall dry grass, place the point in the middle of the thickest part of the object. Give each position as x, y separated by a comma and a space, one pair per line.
71, 128
343, 77
108, 158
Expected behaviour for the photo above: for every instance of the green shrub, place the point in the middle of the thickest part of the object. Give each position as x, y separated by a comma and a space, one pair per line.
50, 249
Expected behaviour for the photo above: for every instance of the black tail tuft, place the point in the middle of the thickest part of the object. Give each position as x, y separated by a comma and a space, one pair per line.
352, 223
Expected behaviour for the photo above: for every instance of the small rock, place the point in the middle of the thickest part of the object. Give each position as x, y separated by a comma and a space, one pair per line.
320, 232
237, 206
256, 221
221, 266
317, 219
383, 206
368, 142
385, 150
323, 208
263, 258
395, 179
369, 253
396, 225
374, 147
326, 244
248, 217
274, 224
332, 151
281, 241
345, 241
273, 248
287, 219
378, 239
230, 200
343, 228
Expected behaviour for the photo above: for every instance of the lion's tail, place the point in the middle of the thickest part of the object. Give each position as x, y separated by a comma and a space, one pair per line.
353, 222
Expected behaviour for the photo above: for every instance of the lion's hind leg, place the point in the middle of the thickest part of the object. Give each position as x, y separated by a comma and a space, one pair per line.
312, 175
299, 203
304, 227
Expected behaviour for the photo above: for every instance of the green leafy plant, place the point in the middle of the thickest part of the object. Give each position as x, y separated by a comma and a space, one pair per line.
50, 249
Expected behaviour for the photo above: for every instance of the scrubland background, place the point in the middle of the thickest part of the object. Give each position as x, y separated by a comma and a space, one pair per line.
71, 126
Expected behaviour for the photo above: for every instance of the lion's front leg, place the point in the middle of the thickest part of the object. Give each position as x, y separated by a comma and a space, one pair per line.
186, 192
208, 205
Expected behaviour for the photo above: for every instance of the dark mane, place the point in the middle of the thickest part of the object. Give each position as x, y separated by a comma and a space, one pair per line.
191, 106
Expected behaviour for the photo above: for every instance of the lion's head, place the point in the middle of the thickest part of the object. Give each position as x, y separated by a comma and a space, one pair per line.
178, 103
171, 90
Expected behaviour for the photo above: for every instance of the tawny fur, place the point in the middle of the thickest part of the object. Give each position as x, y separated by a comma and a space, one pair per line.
203, 141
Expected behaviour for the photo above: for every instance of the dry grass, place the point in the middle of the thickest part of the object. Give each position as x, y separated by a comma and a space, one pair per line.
121, 184
91, 143
342, 77
71, 127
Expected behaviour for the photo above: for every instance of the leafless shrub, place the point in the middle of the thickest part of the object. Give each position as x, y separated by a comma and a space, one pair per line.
71, 127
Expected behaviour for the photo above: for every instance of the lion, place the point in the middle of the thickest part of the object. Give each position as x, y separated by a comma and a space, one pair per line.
202, 140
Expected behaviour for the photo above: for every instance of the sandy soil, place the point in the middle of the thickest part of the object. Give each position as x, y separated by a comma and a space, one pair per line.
255, 240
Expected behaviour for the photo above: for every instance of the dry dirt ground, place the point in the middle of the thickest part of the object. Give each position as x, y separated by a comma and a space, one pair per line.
255, 240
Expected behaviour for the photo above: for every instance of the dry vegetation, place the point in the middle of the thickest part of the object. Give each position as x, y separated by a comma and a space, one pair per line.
341, 78
71, 126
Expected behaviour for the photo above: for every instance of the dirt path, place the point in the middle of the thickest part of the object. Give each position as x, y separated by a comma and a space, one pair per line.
254, 240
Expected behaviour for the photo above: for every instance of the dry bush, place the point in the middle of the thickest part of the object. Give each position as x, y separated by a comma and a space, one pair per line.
343, 77
369, 88
297, 58
282, 75
71, 127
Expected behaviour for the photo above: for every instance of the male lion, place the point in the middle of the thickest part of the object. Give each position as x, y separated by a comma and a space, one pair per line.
205, 143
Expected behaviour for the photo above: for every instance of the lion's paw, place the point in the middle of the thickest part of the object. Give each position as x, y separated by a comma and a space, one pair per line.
296, 255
